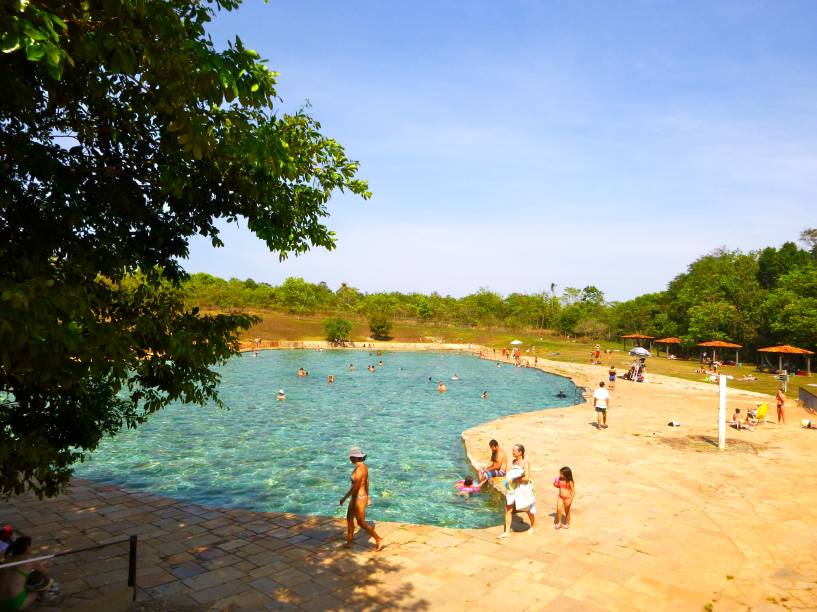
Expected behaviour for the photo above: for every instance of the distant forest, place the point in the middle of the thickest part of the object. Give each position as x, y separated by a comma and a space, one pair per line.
755, 299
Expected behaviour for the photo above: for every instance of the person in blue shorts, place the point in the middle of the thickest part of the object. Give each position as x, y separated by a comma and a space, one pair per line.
498, 465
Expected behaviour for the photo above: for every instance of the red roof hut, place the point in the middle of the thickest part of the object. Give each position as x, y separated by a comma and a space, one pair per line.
668, 341
636, 338
787, 349
716, 344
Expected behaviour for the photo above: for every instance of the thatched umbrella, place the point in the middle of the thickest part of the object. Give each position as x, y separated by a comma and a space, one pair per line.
786, 349
716, 344
668, 341
635, 337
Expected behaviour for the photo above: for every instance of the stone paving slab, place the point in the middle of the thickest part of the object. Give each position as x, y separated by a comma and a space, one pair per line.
662, 521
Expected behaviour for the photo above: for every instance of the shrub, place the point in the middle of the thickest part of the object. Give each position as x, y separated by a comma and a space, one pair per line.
336, 329
379, 325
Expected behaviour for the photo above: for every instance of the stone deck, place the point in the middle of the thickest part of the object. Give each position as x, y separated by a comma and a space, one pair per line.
662, 521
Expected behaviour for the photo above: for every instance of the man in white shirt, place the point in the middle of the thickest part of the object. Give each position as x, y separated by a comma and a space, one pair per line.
601, 402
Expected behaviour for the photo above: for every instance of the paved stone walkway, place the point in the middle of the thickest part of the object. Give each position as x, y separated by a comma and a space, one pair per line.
662, 521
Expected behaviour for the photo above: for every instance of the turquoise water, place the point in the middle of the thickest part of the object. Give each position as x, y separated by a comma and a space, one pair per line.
291, 456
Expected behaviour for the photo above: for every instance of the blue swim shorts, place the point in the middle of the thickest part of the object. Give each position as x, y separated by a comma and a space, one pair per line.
494, 473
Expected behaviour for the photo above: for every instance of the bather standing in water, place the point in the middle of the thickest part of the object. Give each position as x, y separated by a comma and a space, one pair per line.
358, 495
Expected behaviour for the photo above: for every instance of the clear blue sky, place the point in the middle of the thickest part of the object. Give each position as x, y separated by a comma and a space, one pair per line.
515, 144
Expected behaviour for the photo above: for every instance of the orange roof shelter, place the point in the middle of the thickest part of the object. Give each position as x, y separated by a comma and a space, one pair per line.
636, 338
716, 344
787, 349
668, 341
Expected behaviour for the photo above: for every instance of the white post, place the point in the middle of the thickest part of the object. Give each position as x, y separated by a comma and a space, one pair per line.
722, 413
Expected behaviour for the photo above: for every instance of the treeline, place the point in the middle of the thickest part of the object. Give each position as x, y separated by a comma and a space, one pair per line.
757, 298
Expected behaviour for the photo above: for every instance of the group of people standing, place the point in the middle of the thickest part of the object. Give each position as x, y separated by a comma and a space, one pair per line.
520, 495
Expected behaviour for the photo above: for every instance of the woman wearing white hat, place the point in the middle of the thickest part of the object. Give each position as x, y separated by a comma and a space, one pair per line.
358, 495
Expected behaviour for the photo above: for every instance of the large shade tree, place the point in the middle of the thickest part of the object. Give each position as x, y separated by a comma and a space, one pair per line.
124, 132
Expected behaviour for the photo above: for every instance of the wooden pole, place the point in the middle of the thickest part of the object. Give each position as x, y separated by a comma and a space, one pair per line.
132, 565
780, 362
722, 412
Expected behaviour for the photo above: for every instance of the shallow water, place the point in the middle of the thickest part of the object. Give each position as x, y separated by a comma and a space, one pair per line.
291, 456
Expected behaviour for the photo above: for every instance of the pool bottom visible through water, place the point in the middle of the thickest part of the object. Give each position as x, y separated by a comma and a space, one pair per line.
292, 456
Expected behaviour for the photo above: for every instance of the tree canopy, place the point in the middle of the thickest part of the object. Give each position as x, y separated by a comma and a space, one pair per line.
755, 299
124, 132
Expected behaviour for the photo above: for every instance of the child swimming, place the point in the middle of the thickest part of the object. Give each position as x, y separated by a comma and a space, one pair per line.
466, 487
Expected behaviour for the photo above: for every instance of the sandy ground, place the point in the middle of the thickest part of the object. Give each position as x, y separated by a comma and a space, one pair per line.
663, 507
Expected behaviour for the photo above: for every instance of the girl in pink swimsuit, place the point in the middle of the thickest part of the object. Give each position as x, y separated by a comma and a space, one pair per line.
567, 490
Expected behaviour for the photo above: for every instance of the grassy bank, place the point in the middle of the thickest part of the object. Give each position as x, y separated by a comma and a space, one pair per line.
280, 326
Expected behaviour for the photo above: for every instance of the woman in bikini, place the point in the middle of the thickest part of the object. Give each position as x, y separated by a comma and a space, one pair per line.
14, 592
358, 495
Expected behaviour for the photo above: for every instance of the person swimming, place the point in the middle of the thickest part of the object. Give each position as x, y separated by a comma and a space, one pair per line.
441, 387
301, 372
352, 367
466, 487
484, 395
455, 377
561, 394
281, 395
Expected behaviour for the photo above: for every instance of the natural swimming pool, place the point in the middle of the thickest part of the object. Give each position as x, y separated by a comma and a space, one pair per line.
291, 456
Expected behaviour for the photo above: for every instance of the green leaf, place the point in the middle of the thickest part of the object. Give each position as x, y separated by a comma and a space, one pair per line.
52, 54
9, 42
34, 51
33, 33
55, 70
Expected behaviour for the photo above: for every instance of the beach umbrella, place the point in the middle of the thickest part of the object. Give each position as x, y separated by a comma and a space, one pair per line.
640, 352
515, 342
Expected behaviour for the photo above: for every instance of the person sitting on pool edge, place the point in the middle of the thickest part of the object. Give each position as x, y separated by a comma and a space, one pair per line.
498, 464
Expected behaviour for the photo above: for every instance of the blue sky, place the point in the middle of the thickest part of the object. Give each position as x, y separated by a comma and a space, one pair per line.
515, 144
